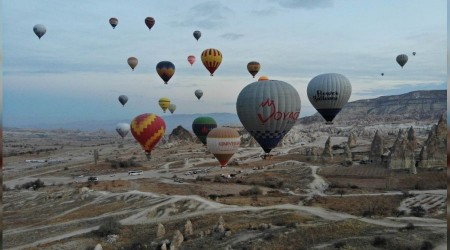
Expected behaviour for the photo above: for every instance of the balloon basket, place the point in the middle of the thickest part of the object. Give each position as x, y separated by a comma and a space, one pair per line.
329, 123
266, 156
149, 156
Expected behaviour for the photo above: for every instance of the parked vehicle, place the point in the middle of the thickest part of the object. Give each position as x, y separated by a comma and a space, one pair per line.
135, 172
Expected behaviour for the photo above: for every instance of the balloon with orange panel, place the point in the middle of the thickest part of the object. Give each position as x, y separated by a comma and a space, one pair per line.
223, 142
211, 58
148, 129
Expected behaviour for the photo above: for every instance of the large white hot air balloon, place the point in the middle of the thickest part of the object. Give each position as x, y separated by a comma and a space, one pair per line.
268, 109
328, 93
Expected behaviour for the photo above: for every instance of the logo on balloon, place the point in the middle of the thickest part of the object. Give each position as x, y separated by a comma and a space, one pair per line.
274, 114
325, 96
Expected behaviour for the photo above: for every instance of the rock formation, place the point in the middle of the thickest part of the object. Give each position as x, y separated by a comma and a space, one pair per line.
376, 148
402, 153
188, 230
176, 240
220, 226
160, 231
351, 140
327, 154
180, 134
434, 151
347, 153
98, 247
163, 246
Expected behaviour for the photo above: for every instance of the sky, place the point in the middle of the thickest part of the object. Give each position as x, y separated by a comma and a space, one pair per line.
77, 70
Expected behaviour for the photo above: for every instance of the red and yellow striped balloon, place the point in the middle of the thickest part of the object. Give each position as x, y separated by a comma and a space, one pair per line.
148, 129
211, 58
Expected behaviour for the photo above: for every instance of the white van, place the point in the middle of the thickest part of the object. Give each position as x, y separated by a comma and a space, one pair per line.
135, 172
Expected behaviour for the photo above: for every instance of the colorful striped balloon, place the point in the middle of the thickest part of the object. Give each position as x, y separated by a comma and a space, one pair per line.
211, 58
223, 143
202, 126
165, 70
253, 68
164, 103
148, 129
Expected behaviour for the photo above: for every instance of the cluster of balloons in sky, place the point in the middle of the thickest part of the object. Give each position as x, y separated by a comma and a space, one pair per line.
267, 109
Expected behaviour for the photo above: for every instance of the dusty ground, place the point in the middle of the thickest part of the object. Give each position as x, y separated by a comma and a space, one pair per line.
299, 201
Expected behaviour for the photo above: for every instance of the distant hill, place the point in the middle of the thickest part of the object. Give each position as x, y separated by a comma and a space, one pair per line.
172, 121
419, 105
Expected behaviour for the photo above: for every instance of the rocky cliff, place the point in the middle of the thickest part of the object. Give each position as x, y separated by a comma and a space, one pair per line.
413, 106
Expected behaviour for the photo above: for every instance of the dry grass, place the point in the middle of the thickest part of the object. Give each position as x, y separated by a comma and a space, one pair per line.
382, 205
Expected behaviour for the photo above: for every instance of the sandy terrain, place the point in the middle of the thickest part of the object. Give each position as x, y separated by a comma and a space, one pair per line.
62, 214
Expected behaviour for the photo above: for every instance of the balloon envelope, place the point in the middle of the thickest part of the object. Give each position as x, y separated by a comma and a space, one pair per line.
211, 58
113, 21
328, 93
172, 108
39, 30
202, 126
165, 70
132, 61
414, 53
164, 103
191, 59
197, 34
123, 129
253, 68
149, 21
123, 99
263, 78
223, 143
198, 93
148, 129
402, 59
268, 109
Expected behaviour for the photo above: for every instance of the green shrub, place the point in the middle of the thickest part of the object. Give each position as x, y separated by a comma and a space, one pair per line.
110, 226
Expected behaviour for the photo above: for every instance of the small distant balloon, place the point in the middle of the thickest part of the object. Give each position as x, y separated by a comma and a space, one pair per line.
39, 30
165, 70
198, 93
123, 129
132, 61
123, 99
402, 59
113, 21
164, 103
172, 108
211, 58
253, 68
197, 34
414, 53
191, 59
149, 21
382, 74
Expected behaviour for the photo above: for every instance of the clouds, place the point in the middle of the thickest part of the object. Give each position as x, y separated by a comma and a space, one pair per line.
304, 4
207, 15
232, 36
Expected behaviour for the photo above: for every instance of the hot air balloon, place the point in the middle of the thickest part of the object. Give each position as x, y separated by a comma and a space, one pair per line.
123, 129
149, 21
402, 59
172, 108
39, 30
113, 21
191, 59
268, 109
201, 127
328, 93
198, 93
253, 68
165, 70
164, 103
132, 61
123, 99
148, 129
223, 143
263, 78
382, 74
414, 53
211, 58
197, 34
